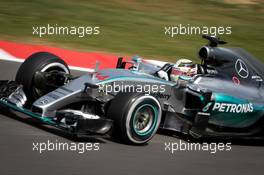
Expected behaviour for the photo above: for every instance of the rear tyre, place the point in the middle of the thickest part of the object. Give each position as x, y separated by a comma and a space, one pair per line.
38, 62
136, 117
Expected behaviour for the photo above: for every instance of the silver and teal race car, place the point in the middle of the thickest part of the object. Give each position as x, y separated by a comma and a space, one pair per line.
223, 98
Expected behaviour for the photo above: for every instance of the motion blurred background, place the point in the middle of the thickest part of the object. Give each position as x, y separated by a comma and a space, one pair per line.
129, 27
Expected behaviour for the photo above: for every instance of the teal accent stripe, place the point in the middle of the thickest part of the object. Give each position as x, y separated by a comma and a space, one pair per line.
221, 97
46, 120
128, 78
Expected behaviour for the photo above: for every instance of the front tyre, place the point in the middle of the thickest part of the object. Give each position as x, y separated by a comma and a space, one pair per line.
39, 62
136, 117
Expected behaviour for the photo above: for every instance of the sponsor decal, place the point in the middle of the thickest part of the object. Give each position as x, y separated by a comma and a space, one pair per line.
241, 69
54, 96
207, 107
161, 95
236, 80
101, 77
233, 108
257, 78
44, 101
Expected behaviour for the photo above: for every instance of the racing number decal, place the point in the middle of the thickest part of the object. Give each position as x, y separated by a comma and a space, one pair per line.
99, 76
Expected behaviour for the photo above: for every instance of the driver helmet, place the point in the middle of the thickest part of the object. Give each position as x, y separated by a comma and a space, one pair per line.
183, 67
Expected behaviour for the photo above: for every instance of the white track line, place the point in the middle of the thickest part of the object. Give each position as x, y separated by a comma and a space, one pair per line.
8, 57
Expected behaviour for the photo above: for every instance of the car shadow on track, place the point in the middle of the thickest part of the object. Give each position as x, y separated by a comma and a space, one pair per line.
99, 139
50, 129
38, 124
234, 141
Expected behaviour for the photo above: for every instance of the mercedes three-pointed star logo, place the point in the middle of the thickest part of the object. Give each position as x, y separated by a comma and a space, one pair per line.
241, 69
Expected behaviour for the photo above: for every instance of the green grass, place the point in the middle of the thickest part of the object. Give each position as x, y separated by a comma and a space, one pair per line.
134, 26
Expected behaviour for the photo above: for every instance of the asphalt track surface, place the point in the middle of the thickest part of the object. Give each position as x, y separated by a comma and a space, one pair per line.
17, 156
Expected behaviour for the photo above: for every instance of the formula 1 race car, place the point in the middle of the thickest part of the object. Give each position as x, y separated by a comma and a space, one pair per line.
221, 97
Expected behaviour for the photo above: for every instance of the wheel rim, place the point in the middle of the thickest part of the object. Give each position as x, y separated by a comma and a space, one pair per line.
140, 136
50, 68
144, 120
